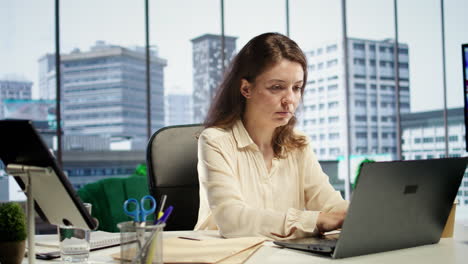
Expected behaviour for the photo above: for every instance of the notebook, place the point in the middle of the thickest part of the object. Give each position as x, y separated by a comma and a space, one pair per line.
396, 204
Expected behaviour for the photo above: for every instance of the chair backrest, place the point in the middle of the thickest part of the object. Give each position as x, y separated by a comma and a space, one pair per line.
172, 170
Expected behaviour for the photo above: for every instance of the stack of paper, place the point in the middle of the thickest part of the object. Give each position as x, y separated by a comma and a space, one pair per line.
232, 250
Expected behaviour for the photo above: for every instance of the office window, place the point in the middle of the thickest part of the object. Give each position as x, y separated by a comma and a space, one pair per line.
332, 63
333, 136
332, 105
358, 46
332, 48
359, 61
333, 119
360, 86
332, 87
360, 103
403, 51
428, 140
403, 65
360, 118
361, 135
334, 151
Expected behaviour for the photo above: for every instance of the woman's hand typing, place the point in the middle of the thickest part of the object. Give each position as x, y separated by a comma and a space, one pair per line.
330, 221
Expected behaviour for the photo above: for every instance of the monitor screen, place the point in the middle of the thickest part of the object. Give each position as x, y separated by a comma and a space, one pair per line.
465, 89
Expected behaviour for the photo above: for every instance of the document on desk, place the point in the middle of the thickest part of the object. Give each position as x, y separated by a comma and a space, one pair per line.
224, 251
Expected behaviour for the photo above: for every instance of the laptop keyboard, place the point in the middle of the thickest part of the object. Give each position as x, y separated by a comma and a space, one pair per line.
327, 242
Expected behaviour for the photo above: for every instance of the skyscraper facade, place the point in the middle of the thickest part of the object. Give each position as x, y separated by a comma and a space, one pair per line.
47, 81
178, 109
104, 91
423, 137
208, 70
11, 88
372, 101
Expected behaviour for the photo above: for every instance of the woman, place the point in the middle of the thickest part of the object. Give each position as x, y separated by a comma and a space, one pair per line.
258, 176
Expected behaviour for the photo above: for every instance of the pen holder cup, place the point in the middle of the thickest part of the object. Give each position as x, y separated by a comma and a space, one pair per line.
141, 244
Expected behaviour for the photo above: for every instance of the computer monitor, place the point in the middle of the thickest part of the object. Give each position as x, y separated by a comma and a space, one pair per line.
465, 89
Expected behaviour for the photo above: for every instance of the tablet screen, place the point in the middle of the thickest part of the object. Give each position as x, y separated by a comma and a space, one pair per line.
55, 199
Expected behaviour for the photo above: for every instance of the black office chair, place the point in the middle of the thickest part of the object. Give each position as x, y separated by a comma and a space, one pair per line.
172, 170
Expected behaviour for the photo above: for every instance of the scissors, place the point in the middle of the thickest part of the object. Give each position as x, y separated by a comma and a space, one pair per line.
140, 213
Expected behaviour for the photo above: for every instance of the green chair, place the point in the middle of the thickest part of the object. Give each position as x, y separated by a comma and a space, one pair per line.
108, 195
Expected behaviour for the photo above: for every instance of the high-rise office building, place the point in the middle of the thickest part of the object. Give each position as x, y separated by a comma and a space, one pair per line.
104, 91
208, 70
47, 82
14, 88
423, 137
178, 109
372, 99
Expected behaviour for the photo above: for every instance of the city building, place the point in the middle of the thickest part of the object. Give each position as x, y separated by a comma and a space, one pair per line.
13, 88
47, 81
178, 109
104, 91
90, 166
423, 137
208, 70
372, 108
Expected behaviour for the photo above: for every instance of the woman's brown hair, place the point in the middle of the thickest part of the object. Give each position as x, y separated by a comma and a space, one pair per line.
258, 55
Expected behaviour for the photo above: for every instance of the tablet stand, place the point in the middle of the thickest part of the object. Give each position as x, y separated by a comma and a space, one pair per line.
26, 172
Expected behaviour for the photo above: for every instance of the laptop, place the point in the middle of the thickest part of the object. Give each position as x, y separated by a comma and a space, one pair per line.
396, 205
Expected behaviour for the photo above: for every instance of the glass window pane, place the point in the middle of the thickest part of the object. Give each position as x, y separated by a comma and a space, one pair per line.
188, 38
103, 74
316, 26
242, 18
27, 30
455, 35
370, 26
426, 79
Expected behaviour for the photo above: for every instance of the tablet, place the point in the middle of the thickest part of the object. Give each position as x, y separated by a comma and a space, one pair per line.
55, 200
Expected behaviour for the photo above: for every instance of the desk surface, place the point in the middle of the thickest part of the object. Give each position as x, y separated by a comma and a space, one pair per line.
448, 250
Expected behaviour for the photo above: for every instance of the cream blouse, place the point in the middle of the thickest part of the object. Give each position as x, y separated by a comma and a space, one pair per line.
240, 197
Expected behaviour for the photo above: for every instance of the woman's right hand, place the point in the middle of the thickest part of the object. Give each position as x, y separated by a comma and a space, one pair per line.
330, 221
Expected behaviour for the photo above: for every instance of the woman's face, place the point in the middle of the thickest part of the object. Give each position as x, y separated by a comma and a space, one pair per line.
275, 94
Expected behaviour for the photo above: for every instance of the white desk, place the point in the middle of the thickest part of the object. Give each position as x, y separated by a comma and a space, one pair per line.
447, 251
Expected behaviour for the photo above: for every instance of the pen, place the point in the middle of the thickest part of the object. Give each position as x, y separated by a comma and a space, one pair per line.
189, 238
166, 215
160, 212
149, 241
